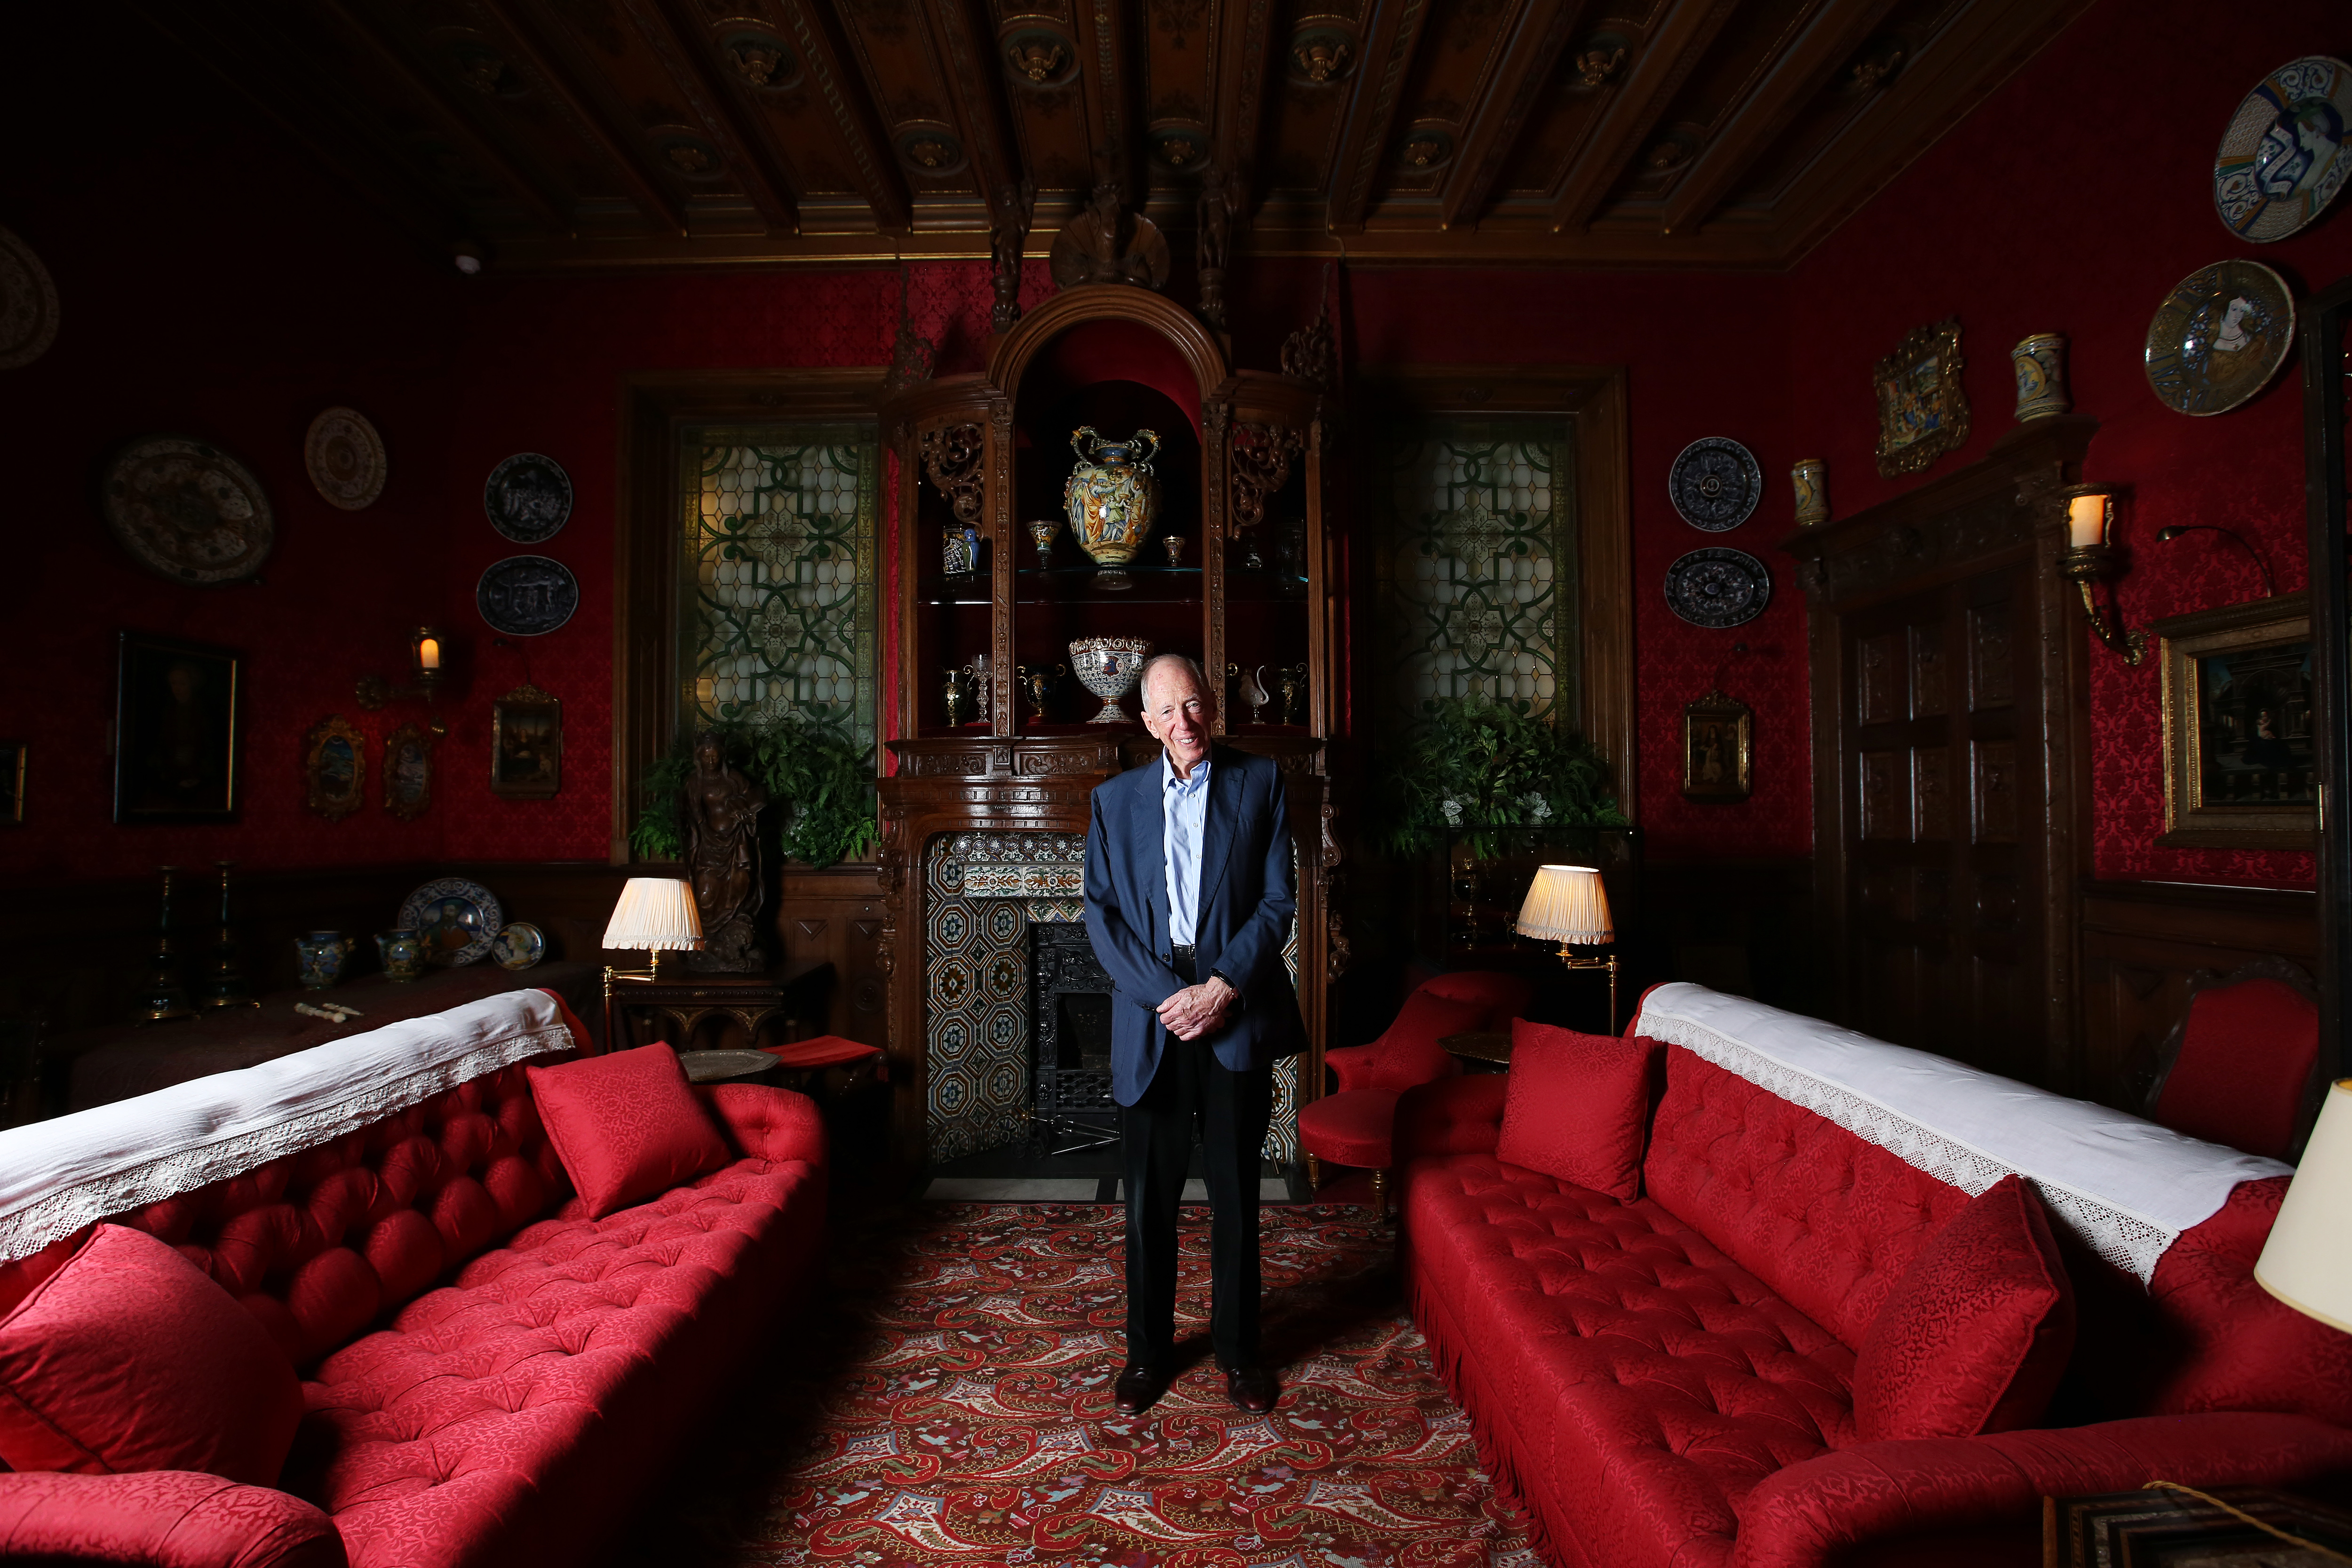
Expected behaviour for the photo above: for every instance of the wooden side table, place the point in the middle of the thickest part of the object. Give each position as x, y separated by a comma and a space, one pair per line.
716, 1012
1481, 1050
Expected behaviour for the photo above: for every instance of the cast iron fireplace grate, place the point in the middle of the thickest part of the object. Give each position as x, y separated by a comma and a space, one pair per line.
1069, 1065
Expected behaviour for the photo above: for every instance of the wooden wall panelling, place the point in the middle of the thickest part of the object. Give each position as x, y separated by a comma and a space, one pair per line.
835, 916
2327, 491
2141, 943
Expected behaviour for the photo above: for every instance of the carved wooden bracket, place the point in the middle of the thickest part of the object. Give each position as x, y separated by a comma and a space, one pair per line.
952, 455
1262, 456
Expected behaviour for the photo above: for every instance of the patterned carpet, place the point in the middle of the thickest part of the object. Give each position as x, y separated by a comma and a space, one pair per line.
971, 1420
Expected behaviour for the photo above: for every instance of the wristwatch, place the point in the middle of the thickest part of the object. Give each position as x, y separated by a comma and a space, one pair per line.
1239, 1000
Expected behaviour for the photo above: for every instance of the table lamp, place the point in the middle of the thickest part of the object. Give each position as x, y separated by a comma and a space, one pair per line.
1567, 904
2306, 1263
656, 913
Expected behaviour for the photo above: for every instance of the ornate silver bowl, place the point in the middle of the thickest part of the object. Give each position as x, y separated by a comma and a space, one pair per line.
1108, 667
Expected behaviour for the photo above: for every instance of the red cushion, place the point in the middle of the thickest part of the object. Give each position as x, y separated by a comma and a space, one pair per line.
1576, 1107
1977, 1331
129, 1359
1407, 1054
1354, 1127
823, 1051
626, 1126
1504, 996
2245, 1057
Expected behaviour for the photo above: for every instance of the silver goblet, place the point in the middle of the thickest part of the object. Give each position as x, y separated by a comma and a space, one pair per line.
1108, 667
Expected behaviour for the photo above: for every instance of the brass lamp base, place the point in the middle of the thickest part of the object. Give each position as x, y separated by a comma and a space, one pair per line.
1570, 959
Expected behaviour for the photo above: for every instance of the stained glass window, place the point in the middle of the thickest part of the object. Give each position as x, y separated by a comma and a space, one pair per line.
778, 587
1477, 565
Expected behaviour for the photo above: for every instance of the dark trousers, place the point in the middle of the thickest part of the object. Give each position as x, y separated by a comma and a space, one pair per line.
1191, 1090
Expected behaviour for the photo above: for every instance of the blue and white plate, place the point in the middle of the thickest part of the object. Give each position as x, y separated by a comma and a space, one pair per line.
2288, 152
457, 919
519, 946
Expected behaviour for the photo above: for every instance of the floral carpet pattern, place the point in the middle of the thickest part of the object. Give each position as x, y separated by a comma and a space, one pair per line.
969, 1419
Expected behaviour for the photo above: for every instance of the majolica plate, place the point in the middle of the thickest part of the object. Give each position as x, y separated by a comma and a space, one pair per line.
28, 304
187, 510
528, 498
2219, 336
519, 946
345, 458
457, 919
1714, 483
1719, 587
2284, 156
527, 595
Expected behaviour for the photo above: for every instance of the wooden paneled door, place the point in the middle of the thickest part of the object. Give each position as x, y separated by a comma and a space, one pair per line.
1950, 701
1946, 944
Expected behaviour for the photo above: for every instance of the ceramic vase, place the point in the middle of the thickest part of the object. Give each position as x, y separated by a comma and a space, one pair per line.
960, 549
1812, 478
2041, 362
402, 952
1113, 499
322, 955
1108, 667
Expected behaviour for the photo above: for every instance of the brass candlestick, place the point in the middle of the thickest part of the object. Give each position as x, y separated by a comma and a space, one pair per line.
224, 982
162, 996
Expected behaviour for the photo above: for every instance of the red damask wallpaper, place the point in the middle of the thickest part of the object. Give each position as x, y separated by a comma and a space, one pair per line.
2035, 215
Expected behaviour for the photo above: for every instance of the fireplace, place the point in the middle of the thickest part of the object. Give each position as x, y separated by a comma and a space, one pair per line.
1071, 1106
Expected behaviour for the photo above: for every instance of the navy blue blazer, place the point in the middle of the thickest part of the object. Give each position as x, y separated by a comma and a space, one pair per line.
1247, 900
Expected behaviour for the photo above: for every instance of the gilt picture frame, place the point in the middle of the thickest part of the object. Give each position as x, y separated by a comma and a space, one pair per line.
178, 725
2240, 765
1922, 411
1718, 749
526, 745
334, 768
408, 771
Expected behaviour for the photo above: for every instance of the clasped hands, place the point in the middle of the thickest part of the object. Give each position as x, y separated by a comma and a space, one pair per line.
1198, 1009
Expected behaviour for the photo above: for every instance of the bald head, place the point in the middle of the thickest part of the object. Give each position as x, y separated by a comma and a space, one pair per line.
1178, 708
1164, 666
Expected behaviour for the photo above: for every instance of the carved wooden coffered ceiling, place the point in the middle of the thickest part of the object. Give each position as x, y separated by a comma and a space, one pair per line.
591, 134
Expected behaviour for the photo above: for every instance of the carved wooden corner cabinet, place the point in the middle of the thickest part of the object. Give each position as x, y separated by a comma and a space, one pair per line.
1000, 735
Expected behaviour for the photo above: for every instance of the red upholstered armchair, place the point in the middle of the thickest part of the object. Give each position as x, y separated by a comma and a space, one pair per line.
2237, 1070
1353, 1125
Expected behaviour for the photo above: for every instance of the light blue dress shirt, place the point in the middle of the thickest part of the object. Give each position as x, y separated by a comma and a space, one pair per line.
1184, 803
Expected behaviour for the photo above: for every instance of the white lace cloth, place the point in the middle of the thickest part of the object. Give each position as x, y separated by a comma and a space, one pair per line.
2126, 1186
56, 1176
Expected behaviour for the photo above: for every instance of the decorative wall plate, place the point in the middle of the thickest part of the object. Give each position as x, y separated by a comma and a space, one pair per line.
457, 919
2219, 336
187, 510
527, 595
2284, 156
528, 498
345, 457
28, 304
1719, 587
1714, 483
519, 946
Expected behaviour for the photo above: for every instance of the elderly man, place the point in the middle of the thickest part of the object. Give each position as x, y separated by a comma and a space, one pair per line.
1189, 902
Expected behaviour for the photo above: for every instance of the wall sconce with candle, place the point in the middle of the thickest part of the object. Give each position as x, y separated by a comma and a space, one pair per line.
428, 654
2091, 557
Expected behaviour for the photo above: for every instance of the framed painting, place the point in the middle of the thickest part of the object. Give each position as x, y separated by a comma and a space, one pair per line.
177, 719
12, 784
2240, 771
407, 772
334, 767
1922, 411
1718, 749
526, 744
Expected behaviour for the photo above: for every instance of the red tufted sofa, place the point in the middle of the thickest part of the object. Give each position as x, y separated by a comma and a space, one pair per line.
1668, 1380
489, 1376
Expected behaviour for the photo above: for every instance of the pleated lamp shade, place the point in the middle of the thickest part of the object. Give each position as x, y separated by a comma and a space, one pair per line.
2308, 1262
654, 913
1567, 904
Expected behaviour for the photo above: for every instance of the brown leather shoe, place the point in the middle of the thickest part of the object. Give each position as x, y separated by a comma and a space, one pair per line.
1139, 1389
1253, 1388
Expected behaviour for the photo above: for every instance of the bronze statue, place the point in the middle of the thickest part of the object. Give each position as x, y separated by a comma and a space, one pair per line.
722, 857
1103, 245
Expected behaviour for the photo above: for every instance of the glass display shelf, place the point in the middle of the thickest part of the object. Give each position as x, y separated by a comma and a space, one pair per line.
1148, 584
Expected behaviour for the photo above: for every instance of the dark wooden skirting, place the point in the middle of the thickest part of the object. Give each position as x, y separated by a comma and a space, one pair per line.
2141, 942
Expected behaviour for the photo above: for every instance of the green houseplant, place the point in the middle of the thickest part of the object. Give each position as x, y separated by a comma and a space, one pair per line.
820, 789
1477, 764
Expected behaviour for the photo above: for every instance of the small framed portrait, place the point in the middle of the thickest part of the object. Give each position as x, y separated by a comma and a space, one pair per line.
1718, 749
334, 767
1922, 411
2239, 765
12, 784
177, 718
526, 744
407, 772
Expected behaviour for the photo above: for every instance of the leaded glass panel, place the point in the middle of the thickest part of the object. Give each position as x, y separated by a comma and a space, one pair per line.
778, 524
1477, 565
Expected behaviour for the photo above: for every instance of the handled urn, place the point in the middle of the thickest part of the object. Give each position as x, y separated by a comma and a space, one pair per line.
1113, 498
